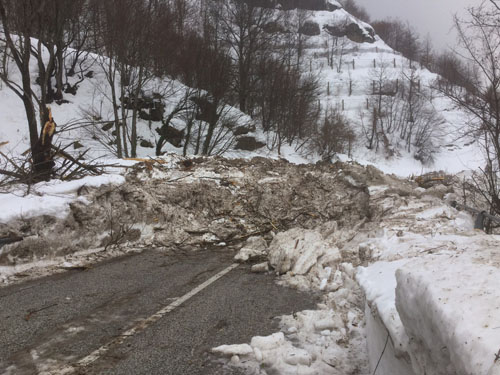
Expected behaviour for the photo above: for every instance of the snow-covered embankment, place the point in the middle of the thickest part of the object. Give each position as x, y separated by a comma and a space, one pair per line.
432, 295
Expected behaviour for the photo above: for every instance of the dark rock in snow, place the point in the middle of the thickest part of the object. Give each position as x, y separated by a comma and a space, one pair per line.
310, 28
155, 114
172, 135
295, 4
207, 109
248, 144
146, 144
353, 31
242, 130
274, 28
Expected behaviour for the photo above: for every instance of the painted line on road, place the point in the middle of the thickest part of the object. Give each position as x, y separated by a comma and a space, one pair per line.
143, 324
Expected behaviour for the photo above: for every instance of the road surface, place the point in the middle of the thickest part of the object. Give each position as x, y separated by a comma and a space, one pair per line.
148, 313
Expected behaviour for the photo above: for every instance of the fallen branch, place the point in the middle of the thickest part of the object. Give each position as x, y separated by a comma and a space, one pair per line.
11, 174
65, 155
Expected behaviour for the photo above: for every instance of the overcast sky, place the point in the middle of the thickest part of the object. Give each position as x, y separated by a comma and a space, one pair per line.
427, 16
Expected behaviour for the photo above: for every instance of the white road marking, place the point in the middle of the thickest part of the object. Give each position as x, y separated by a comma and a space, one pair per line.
143, 324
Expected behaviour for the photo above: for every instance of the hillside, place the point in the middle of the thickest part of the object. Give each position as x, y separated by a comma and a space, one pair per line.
341, 52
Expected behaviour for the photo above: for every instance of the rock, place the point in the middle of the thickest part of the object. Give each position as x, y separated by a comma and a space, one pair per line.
155, 114
274, 28
310, 28
242, 130
248, 143
146, 144
172, 135
260, 268
360, 35
328, 5
353, 31
207, 109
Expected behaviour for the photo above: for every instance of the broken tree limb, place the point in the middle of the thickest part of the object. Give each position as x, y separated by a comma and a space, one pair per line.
41, 153
11, 174
67, 156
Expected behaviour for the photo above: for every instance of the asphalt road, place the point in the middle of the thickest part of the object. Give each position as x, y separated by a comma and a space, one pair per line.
51, 324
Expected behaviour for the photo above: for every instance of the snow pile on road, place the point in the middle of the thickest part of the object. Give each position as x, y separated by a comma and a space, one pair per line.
430, 281
329, 340
176, 202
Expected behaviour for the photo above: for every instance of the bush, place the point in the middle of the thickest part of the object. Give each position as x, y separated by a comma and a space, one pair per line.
333, 136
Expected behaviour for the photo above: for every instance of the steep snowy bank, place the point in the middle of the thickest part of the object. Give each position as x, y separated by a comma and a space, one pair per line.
450, 308
434, 290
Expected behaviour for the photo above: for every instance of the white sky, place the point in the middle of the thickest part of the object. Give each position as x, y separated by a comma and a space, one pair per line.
434, 17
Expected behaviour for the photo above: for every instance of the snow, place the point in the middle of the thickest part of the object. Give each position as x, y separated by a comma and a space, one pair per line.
231, 350
450, 307
298, 250
383, 299
434, 287
329, 340
50, 198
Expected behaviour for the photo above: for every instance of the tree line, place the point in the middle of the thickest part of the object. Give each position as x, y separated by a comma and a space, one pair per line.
227, 52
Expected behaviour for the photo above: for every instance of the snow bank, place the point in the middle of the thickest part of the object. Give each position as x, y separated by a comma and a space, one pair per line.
50, 198
432, 287
383, 298
450, 308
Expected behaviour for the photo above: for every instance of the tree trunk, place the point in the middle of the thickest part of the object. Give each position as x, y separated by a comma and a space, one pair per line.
41, 153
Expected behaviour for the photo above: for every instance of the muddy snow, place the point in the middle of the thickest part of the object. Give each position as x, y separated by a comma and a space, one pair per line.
407, 286
180, 203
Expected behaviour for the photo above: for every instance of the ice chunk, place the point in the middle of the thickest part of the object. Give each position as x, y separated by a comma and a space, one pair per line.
232, 350
268, 342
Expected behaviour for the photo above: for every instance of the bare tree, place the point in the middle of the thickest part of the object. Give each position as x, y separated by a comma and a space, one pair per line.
242, 30
479, 37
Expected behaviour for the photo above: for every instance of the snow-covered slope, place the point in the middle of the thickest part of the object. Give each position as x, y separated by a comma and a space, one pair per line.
346, 76
347, 79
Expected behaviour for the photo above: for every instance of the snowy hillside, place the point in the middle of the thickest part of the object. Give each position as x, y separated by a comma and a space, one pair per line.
356, 63
342, 52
